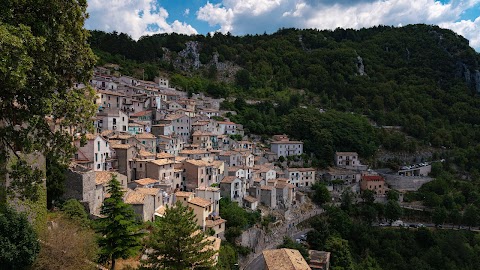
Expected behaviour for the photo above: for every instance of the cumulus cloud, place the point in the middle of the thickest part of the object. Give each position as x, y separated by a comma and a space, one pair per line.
468, 29
135, 18
257, 16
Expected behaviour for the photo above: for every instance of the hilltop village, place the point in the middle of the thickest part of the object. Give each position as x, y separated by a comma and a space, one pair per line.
164, 146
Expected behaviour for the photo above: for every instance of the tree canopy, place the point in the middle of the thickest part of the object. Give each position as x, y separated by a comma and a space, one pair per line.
44, 53
119, 228
19, 245
177, 243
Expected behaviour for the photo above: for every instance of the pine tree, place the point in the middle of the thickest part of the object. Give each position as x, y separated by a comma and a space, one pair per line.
177, 243
119, 228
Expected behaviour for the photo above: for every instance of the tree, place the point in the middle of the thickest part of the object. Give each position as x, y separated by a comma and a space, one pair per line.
471, 216
119, 228
55, 180
368, 196
177, 243
321, 194
340, 250
44, 53
18, 241
392, 195
227, 256
289, 243
347, 201
75, 211
439, 216
393, 211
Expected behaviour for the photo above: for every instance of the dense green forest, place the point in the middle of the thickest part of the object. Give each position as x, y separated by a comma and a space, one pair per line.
419, 77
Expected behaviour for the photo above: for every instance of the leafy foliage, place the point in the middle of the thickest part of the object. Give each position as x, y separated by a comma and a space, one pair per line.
177, 243
289, 243
119, 229
238, 218
44, 52
321, 194
18, 241
75, 211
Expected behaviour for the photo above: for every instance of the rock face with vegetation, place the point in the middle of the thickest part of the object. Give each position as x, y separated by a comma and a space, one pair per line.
420, 78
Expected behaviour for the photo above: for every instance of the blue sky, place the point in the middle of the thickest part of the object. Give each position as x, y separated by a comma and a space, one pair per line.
239, 17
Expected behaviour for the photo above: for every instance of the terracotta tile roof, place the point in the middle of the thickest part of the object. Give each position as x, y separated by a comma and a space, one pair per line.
107, 132
183, 194
145, 136
142, 113
135, 124
148, 191
123, 136
161, 162
103, 177
146, 181
106, 92
164, 155
213, 223
214, 189
285, 259
121, 146
228, 179
144, 153
372, 178
193, 152
200, 202
250, 199
266, 188
198, 163
226, 123
134, 197
171, 117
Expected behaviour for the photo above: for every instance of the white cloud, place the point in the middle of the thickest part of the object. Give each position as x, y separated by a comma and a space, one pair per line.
257, 16
186, 12
468, 29
132, 17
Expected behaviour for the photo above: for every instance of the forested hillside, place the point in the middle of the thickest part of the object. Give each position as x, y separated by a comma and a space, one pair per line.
420, 77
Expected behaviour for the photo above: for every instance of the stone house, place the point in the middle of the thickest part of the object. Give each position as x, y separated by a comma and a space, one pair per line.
142, 203
233, 188
283, 147
301, 177
348, 160
250, 202
96, 154
89, 187
125, 153
375, 183
148, 140
111, 119
268, 196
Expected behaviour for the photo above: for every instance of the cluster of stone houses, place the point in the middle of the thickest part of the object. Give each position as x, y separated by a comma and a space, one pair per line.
350, 174
164, 147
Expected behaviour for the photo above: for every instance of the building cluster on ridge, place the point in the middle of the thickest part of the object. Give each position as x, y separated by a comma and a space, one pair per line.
165, 146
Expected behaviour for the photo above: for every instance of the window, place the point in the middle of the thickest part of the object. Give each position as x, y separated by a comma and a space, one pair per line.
140, 165
98, 166
98, 146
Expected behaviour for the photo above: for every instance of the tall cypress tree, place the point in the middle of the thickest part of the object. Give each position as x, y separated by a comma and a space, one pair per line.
177, 243
119, 228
